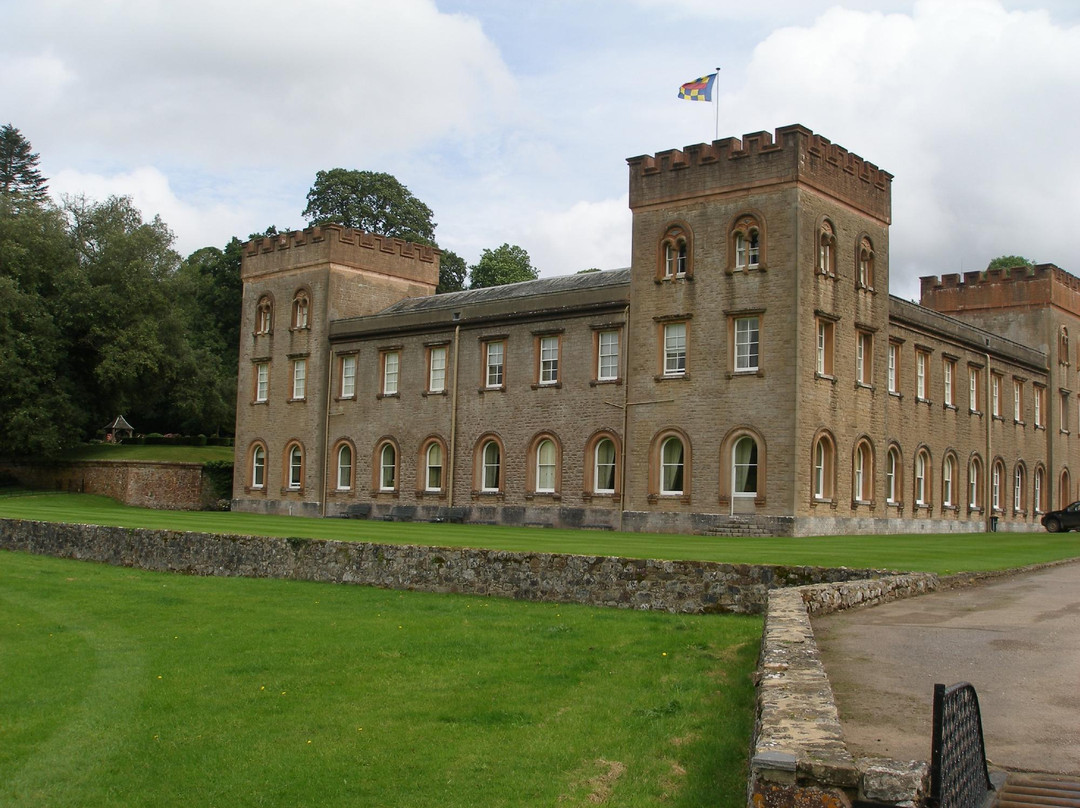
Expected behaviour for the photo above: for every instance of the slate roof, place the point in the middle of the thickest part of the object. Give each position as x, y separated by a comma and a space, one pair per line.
513, 291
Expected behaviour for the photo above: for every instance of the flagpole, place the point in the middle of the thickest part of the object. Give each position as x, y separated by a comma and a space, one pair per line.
716, 104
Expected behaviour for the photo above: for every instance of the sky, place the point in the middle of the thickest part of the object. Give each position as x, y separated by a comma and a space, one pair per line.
513, 120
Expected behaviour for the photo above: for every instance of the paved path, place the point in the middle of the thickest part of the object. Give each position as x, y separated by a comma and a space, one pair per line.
1016, 639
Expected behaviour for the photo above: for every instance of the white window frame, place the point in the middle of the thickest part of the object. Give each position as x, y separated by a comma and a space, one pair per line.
494, 364
920, 375
258, 467
437, 369
430, 466
973, 483
391, 367
296, 467
1018, 489
921, 465
388, 470
299, 384
995, 395
597, 465
947, 482
678, 467
674, 349
262, 381
491, 467
546, 466
1018, 400
747, 344
973, 390
344, 469
864, 357
348, 376
549, 360
607, 368
894, 350
891, 462
947, 371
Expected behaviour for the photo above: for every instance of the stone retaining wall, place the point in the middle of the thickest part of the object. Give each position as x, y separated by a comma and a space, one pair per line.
799, 757
691, 587
170, 486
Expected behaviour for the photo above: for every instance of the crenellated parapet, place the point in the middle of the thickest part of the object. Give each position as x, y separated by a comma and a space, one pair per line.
1022, 286
794, 155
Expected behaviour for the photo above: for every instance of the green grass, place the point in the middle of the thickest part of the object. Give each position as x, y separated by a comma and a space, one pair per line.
131, 452
127, 688
932, 553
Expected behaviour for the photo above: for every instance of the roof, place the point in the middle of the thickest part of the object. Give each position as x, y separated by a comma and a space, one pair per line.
513, 291
119, 423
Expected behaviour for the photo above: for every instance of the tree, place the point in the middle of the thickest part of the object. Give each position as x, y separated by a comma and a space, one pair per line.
452, 272
21, 183
370, 201
506, 264
1009, 261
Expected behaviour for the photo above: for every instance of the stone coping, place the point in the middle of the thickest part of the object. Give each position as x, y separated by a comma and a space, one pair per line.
799, 756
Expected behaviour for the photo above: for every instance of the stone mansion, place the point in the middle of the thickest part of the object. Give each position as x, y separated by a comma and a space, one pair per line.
748, 373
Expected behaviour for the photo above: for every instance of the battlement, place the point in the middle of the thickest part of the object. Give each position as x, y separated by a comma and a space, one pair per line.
794, 154
1039, 285
343, 247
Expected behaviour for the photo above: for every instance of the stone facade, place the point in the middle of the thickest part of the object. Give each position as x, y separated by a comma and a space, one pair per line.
749, 373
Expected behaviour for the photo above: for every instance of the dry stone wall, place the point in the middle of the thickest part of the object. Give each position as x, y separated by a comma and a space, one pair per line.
170, 486
691, 587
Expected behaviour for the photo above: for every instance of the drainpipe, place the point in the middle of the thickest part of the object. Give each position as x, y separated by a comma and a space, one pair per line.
323, 481
625, 415
989, 416
452, 451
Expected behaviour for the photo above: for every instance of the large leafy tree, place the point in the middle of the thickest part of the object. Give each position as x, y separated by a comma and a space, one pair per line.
371, 201
506, 264
452, 272
21, 182
1009, 261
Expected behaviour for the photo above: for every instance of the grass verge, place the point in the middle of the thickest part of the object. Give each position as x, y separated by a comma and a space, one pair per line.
947, 553
127, 688
149, 454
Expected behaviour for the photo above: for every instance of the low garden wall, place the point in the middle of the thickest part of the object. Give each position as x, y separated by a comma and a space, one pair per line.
692, 587
171, 486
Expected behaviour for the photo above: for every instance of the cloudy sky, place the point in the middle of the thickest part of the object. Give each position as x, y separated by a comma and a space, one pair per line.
512, 120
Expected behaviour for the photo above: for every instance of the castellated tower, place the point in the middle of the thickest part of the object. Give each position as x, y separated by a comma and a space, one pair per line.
758, 320
294, 285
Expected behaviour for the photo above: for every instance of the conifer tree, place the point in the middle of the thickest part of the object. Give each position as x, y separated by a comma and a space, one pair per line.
21, 183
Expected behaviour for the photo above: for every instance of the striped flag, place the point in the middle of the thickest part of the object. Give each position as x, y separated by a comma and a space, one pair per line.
698, 89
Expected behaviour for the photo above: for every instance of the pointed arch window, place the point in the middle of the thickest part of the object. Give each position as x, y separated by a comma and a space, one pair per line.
264, 315
975, 497
893, 481
948, 478
863, 472
824, 458
827, 249
747, 244
675, 254
865, 267
301, 310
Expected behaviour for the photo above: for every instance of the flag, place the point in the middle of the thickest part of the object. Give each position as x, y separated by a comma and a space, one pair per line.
698, 89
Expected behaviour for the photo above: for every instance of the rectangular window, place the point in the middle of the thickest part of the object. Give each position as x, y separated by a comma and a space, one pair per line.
995, 395
437, 369
1039, 401
391, 361
973, 390
608, 355
299, 378
948, 368
746, 344
675, 349
1064, 412
824, 347
348, 376
894, 368
864, 358
494, 355
262, 381
920, 375
549, 360
1018, 400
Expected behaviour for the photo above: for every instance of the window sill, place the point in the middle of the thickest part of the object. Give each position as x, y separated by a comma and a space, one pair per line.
827, 377
552, 495
896, 394
300, 400
925, 401
1018, 423
951, 407
1040, 426
998, 418
547, 385
384, 493
974, 509
864, 386
589, 496
380, 396
345, 398
259, 490
500, 495
595, 382
979, 413
667, 377
427, 393
755, 372
259, 403
500, 389
1063, 432
431, 494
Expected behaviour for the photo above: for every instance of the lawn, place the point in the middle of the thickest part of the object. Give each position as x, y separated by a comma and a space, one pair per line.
933, 553
127, 688
133, 452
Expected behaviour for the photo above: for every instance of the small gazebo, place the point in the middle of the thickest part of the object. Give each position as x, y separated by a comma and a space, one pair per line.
118, 430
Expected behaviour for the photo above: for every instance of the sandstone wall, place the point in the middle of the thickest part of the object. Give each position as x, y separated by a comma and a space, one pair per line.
164, 486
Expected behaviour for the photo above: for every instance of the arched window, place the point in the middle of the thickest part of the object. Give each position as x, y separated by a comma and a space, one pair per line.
672, 466
1064, 489
1040, 487
604, 467
675, 254
975, 483
824, 459
546, 466
300, 309
893, 482
264, 315
388, 467
948, 477
295, 474
922, 478
997, 483
1063, 347
827, 249
491, 476
433, 467
258, 466
862, 477
1019, 489
744, 467
865, 276
747, 244
344, 467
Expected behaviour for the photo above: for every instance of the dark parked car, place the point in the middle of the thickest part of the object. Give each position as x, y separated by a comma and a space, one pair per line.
1065, 519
